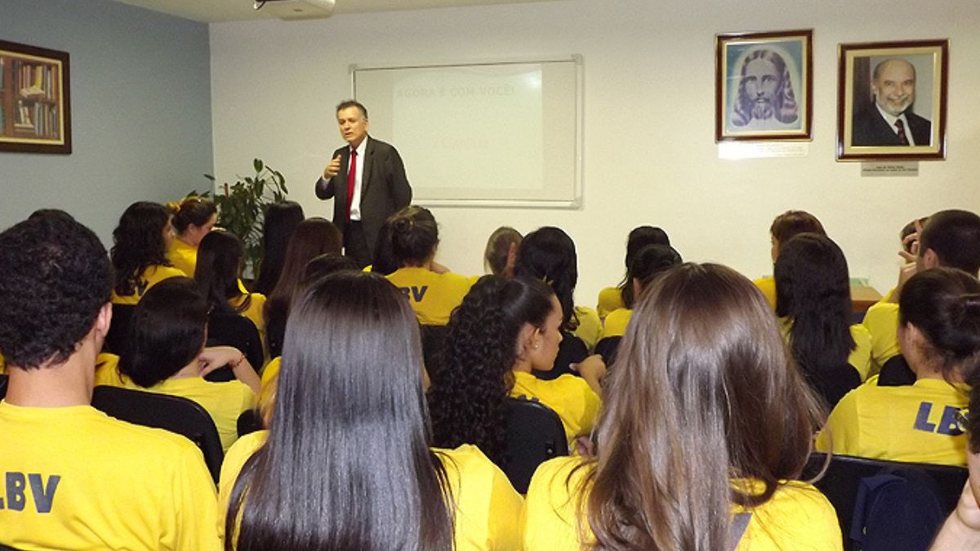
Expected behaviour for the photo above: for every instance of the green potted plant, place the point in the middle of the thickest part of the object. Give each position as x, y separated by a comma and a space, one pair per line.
242, 206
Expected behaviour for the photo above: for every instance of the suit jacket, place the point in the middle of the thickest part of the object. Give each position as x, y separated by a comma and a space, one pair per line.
384, 188
871, 129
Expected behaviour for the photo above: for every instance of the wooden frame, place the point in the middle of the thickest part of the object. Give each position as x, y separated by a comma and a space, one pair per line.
912, 82
776, 68
35, 106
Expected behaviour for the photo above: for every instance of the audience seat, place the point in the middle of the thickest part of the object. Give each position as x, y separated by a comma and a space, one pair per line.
896, 372
572, 350
435, 338
232, 329
607, 347
173, 413
122, 315
841, 481
3, 387
534, 435
248, 422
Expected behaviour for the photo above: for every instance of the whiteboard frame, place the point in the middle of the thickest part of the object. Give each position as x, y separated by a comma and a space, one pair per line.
574, 202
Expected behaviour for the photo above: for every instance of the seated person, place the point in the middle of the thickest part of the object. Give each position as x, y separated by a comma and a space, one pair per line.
813, 301
939, 328
501, 252
75, 477
949, 238
166, 354
612, 298
962, 528
648, 263
346, 458
433, 292
139, 255
218, 268
193, 218
503, 330
703, 436
783, 227
548, 254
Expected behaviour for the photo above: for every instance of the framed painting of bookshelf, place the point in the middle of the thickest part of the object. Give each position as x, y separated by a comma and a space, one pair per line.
35, 106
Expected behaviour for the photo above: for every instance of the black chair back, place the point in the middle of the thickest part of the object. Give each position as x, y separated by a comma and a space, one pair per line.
572, 350
607, 347
435, 338
122, 316
162, 411
843, 477
534, 435
249, 421
232, 329
3, 386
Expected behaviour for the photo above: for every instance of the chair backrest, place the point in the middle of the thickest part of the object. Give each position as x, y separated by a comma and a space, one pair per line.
896, 372
8, 548
122, 316
607, 347
248, 422
844, 476
232, 329
3, 386
572, 350
434, 341
534, 435
163, 411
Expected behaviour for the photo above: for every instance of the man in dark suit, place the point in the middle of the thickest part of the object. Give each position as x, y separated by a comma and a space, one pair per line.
367, 191
889, 120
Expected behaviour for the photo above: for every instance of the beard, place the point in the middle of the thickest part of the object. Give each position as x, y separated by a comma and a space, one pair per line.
762, 109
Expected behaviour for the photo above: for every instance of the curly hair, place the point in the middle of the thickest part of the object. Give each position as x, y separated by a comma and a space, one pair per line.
55, 280
138, 244
466, 401
548, 254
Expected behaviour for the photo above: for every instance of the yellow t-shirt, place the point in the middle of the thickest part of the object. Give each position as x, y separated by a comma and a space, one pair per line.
224, 401
486, 506
616, 322
183, 256
881, 321
569, 396
610, 298
433, 296
589, 327
150, 277
768, 287
914, 423
79, 479
797, 517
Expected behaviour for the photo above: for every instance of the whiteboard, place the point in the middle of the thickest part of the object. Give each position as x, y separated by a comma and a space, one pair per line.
501, 133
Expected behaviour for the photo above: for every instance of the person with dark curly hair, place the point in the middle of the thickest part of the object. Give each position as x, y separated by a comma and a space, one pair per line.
432, 290
503, 329
167, 355
622, 296
548, 254
139, 255
71, 471
193, 218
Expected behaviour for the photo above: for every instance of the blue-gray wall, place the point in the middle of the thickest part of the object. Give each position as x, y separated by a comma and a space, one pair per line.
140, 109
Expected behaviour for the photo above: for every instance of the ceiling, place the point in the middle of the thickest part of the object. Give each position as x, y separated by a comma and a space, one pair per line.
215, 11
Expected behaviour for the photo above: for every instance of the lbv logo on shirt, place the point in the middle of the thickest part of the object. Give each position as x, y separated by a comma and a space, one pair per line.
948, 424
16, 485
415, 294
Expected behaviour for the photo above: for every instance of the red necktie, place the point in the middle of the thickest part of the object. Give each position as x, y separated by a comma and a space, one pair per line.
351, 175
901, 132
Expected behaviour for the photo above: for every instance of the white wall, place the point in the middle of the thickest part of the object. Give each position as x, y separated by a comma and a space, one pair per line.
650, 156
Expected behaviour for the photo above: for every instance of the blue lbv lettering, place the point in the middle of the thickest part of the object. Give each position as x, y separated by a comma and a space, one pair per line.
415, 294
16, 486
947, 425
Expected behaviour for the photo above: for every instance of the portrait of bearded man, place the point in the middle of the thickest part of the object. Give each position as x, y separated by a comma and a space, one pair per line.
766, 99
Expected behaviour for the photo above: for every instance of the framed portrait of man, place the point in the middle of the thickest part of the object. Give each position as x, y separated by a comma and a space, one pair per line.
892, 100
763, 85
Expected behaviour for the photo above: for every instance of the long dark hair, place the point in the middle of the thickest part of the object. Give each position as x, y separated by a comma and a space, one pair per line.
167, 331
138, 244
468, 391
649, 262
219, 263
346, 464
280, 222
548, 254
703, 392
313, 237
813, 292
639, 237
413, 235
